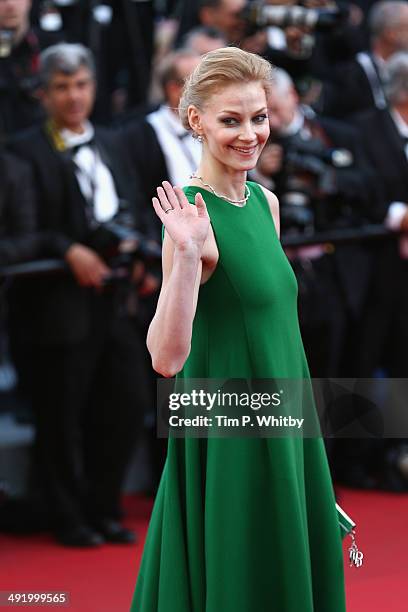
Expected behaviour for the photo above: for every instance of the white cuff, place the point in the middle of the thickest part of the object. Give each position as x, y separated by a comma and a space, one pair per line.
396, 212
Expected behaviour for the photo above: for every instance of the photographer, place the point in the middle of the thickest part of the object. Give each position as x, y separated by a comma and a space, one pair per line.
317, 171
233, 19
383, 135
358, 85
158, 146
383, 335
18, 239
20, 47
87, 356
290, 36
121, 35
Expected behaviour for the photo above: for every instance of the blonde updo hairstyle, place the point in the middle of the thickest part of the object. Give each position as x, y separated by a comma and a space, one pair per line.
218, 69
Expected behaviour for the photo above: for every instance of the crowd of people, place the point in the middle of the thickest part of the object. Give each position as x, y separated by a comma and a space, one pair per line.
89, 128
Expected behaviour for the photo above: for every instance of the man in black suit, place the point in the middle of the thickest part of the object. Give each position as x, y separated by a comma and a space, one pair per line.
158, 146
87, 356
18, 240
227, 17
359, 85
383, 334
384, 135
20, 46
19, 52
318, 196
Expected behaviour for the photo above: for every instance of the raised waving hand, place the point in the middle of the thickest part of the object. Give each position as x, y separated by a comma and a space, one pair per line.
187, 225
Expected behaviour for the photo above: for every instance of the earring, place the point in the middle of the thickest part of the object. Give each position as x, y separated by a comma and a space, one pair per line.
200, 138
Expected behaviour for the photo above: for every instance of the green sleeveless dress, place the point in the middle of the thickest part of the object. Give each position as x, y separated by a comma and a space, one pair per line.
244, 524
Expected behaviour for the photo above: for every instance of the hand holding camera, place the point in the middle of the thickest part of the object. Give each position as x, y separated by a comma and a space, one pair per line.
87, 266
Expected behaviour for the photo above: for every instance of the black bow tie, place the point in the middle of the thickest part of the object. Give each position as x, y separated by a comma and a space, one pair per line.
88, 143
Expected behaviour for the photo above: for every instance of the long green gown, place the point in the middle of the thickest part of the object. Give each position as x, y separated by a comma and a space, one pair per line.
244, 524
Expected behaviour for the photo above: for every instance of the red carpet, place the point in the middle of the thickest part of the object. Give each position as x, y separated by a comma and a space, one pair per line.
382, 534
103, 580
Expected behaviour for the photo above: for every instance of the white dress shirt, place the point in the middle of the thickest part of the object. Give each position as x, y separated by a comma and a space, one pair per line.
94, 177
182, 153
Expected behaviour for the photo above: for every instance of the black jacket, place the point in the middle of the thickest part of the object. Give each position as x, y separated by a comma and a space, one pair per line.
384, 148
18, 240
386, 325
349, 91
347, 206
352, 184
146, 156
20, 106
59, 307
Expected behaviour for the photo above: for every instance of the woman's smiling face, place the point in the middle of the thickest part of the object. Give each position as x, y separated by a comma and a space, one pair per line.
234, 124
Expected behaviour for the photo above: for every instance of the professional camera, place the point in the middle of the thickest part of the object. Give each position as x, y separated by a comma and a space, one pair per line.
308, 188
260, 15
121, 245
133, 247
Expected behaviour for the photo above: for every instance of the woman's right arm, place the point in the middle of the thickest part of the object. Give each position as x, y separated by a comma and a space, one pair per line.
169, 335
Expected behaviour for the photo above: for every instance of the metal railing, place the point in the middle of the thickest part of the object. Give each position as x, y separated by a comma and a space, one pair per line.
335, 236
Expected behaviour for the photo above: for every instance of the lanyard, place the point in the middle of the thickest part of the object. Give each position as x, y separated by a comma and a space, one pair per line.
367, 65
90, 179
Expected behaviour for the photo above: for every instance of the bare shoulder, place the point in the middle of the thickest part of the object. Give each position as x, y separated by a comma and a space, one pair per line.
274, 207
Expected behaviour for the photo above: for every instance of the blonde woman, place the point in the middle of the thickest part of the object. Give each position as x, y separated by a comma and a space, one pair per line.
239, 524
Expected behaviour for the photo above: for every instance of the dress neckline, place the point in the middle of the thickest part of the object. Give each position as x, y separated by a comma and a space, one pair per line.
210, 193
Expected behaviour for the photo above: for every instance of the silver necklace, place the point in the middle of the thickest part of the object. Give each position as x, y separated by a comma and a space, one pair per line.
240, 203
